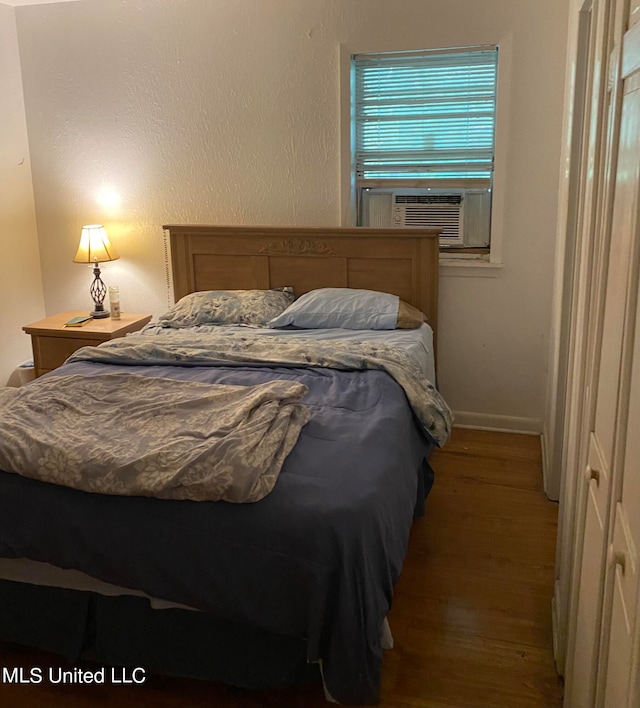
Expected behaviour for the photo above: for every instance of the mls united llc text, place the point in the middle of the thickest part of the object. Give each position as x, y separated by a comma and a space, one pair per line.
56, 675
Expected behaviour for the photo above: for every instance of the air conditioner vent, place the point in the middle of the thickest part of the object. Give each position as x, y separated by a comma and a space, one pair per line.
428, 199
436, 216
431, 211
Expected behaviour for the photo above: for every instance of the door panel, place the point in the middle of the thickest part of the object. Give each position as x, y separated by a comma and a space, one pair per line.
619, 665
586, 647
630, 519
622, 233
622, 567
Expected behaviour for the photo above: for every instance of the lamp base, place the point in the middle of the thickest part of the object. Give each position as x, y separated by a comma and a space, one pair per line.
100, 314
98, 290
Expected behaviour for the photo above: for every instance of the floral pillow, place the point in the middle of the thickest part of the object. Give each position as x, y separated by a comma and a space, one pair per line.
247, 307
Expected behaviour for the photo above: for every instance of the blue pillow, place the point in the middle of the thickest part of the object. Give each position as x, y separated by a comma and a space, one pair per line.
346, 308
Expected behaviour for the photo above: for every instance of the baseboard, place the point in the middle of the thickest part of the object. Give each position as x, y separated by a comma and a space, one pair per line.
498, 423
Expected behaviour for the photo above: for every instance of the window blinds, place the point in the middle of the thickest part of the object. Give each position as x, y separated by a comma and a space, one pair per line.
425, 116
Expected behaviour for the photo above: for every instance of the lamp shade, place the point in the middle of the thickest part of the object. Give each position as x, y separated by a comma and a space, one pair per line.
95, 246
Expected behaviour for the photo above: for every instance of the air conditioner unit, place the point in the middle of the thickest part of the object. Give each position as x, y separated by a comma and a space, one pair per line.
464, 216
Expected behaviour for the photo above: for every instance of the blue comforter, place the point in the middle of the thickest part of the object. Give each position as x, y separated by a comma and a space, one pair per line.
316, 559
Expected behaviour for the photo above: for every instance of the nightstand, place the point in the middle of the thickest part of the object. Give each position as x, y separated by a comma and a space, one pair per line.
53, 343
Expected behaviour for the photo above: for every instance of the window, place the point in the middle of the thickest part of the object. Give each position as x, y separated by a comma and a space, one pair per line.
424, 126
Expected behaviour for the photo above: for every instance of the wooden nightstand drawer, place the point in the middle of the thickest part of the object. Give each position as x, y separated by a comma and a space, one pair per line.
51, 352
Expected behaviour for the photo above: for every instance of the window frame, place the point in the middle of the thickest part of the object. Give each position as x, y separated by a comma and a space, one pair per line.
469, 263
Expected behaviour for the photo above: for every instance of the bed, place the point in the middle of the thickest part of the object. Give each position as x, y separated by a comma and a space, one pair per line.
296, 582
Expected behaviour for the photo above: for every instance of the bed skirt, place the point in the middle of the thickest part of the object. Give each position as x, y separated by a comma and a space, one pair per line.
127, 631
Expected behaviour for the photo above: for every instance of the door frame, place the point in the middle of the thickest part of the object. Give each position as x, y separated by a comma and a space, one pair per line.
578, 296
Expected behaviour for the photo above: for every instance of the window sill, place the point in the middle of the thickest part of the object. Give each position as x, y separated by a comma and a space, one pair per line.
468, 266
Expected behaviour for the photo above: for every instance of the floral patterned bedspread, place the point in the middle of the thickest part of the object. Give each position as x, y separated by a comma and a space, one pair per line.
132, 435
233, 347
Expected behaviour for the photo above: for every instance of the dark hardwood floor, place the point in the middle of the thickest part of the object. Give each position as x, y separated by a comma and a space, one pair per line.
471, 617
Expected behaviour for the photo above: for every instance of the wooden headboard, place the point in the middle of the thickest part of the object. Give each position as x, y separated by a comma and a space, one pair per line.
399, 261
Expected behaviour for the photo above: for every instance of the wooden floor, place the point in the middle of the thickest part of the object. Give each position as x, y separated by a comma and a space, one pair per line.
471, 616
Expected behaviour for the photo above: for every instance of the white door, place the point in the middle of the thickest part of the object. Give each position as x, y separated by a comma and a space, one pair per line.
602, 653
602, 356
619, 612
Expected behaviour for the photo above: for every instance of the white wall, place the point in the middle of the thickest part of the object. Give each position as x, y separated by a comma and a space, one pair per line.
21, 298
228, 111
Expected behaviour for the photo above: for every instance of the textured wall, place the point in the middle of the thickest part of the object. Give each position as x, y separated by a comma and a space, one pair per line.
144, 112
21, 299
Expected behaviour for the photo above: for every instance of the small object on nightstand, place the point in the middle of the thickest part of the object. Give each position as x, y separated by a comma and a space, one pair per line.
78, 321
114, 301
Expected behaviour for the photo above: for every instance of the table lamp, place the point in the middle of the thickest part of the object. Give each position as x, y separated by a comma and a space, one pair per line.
96, 248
